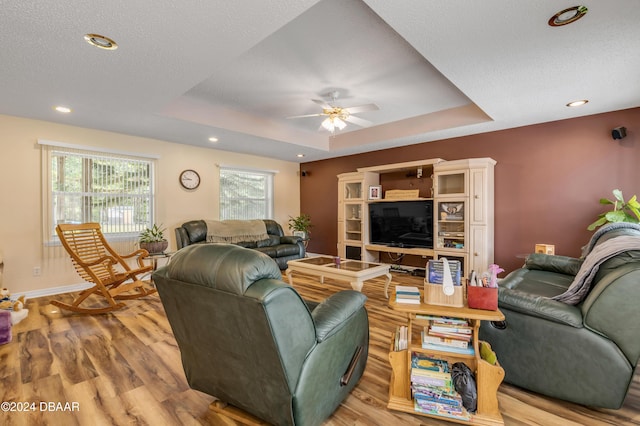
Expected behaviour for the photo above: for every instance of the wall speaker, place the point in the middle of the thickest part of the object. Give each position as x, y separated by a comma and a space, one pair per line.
619, 133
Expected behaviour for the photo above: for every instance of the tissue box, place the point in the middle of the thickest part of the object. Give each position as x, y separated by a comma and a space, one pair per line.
482, 297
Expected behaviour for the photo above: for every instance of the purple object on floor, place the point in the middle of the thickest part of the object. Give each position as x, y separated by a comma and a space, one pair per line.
5, 327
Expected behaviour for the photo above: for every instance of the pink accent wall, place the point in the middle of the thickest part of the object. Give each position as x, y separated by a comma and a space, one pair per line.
548, 180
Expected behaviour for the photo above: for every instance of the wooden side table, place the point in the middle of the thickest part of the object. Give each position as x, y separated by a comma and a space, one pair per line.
488, 377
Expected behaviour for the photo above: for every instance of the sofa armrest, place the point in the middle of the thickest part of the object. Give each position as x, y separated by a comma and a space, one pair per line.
332, 313
539, 306
290, 239
552, 263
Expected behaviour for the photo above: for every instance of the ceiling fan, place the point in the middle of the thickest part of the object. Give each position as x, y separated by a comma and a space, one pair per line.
338, 117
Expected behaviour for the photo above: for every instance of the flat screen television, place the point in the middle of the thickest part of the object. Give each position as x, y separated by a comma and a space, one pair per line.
402, 223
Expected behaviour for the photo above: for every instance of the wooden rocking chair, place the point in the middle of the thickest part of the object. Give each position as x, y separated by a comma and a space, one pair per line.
96, 262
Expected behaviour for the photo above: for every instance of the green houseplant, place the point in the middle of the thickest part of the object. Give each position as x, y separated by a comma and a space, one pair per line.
152, 239
623, 211
301, 224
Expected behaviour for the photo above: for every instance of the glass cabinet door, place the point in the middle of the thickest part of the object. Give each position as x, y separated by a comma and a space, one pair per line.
353, 221
450, 224
448, 184
353, 191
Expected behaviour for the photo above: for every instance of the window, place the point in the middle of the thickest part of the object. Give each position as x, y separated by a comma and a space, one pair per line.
115, 190
246, 194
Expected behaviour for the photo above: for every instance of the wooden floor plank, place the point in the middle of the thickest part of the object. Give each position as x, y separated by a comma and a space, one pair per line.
125, 368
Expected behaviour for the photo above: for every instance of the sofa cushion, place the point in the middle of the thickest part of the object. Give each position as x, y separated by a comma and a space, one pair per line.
283, 250
273, 240
270, 251
537, 282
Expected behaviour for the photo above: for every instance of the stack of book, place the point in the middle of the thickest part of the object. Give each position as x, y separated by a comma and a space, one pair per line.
448, 334
407, 294
432, 388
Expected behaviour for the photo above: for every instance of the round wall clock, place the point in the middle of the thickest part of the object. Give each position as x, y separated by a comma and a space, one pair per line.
189, 179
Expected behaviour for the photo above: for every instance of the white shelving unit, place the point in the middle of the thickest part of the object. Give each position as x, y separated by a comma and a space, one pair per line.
463, 199
353, 214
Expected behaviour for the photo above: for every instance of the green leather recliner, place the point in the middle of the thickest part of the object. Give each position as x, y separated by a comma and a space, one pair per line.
584, 353
250, 340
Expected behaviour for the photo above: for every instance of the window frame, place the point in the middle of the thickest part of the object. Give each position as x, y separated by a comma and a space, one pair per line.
269, 192
51, 148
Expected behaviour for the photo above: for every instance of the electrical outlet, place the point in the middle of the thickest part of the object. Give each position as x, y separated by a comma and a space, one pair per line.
36, 271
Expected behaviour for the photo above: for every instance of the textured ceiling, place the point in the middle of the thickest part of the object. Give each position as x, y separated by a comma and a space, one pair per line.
185, 71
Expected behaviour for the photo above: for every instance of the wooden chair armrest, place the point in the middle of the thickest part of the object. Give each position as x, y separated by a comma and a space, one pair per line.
111, 260
140, 253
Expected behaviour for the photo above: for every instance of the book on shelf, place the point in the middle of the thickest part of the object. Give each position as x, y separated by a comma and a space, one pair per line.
442, 320
452, 349
426, 362
424, 393
408, 294
451, 328
435, 271
444, 341
432, 387
430, 372
400, 341
407, 289
440, 409
455, 336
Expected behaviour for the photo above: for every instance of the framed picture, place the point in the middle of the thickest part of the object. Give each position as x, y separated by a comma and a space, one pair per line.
375, 192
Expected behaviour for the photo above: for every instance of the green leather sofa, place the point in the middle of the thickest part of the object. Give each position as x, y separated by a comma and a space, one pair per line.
250, 340
586, 352
278, 246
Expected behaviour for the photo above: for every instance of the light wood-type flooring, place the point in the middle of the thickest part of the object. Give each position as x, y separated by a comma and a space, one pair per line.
124, 368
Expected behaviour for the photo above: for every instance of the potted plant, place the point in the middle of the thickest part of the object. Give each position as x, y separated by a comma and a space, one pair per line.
152, 239
623, 211
301, 225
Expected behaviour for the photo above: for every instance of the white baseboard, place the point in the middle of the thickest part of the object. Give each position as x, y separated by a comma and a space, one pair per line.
54, 290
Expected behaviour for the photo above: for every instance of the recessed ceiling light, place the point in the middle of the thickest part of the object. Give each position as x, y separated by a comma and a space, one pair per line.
577, 103
62, 109
567, 16
300, 155
101, 41
213, 139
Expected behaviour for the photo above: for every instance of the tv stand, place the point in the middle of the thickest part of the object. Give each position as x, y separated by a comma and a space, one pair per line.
399, 250
463, 219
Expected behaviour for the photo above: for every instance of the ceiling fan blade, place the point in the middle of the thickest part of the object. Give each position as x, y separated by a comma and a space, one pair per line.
322, 103
307, 115
362, 108
358, 121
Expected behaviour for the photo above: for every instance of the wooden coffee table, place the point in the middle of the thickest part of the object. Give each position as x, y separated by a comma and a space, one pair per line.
354, 271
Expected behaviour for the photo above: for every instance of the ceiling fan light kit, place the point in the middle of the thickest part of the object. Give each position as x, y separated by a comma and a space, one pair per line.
338, 117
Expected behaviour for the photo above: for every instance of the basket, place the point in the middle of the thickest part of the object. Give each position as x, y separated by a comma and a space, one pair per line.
434, 295
482, 297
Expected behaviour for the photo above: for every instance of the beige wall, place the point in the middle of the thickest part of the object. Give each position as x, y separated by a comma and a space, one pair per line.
20, 181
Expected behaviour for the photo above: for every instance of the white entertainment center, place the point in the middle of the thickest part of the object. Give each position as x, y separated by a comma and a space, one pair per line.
463, 220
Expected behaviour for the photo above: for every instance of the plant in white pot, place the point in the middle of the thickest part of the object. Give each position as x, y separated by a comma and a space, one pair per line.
152, 239
301, 225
